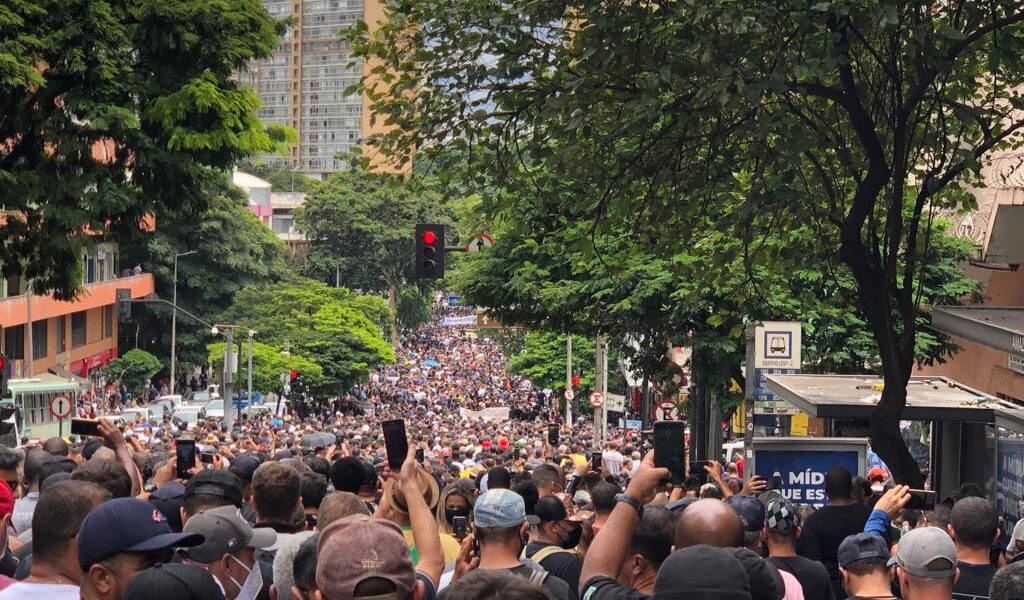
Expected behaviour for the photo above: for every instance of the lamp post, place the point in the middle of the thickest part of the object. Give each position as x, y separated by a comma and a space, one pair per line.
248, 396
174, 322
229, 348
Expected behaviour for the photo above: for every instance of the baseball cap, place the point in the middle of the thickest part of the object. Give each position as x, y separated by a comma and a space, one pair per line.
225, 532
781, 515
173, 581
702, 572
126, 525
215, 482
548, 508
861, 546
243, 467
877, 473
168, 499
926, 552
358, 548
499, 508
750, 511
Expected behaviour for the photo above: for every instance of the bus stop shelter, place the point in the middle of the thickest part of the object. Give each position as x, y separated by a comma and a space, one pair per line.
974, 437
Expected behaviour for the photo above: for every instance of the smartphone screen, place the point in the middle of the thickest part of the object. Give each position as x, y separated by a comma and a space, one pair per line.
206, 458
595, 460
574, 484
85, 427
921, 500
395, 443
185, 453
668, 450
553, 434
515, 454
419, 455
459, 527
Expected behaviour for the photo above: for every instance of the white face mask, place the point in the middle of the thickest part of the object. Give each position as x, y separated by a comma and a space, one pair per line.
250, 588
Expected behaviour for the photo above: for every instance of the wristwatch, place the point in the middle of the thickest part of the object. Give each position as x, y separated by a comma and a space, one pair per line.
627, 499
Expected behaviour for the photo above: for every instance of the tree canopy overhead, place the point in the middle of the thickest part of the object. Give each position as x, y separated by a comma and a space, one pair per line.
113, 109
852, 120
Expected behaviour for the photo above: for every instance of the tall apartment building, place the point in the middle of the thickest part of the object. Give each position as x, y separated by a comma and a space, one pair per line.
303, 84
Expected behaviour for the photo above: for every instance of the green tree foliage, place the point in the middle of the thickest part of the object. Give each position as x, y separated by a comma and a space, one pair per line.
360, 230
850, 121
232, 250
542, 361
133, 369
338, 330
269, 363
111, 110
281, 178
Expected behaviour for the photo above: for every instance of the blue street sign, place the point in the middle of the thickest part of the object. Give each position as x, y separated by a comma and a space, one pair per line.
803, 471
454, 299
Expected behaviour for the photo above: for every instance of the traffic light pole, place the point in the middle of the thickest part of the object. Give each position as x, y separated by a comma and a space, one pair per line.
229, 349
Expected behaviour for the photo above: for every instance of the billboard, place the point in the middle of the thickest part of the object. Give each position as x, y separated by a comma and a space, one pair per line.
802, 463
1009, 477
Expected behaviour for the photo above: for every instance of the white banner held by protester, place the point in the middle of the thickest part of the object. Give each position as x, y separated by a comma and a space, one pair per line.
494, 413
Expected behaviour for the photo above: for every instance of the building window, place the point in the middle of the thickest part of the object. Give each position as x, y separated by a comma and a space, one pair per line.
40, 339
78, 329
14, 342
108, 321
62, 334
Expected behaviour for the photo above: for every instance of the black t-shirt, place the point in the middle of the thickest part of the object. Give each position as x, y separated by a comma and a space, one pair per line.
825, 530
974, 581
558, 589
811, 574
606, 588
564, 565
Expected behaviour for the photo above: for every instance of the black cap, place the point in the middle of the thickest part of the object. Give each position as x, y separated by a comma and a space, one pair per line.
126, 525
215, 482
244, 466
750, 511
861, 546
548, 508
765, 581
174, 581
702, 573
168, 499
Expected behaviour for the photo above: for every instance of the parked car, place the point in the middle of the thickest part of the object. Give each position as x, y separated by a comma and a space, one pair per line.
160, 408
188, 416
131, 415
176, 400
215, 409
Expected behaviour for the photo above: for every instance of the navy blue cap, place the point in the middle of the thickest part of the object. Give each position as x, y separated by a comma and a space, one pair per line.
862, 546
126, 525
244, 466
750, 511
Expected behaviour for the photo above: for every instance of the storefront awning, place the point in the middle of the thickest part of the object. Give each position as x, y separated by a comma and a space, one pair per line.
44, 382
1000, 328
62, 372
928, 399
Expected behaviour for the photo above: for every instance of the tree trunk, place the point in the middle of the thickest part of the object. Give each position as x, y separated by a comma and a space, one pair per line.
393, 305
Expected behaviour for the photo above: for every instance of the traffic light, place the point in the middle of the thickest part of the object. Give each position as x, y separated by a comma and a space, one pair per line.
293, 375
3, 376
429, 251
123, 297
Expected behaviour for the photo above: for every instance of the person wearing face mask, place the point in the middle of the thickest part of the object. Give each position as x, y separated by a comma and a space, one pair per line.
553, 541
456, 501
228, 551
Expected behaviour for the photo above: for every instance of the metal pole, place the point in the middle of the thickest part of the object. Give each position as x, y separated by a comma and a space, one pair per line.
28, 315
229, 349
249, 394
601, 383
750, 382
174, 325
568, 377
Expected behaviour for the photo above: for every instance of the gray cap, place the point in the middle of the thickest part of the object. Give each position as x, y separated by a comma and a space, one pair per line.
926, 552
225, 532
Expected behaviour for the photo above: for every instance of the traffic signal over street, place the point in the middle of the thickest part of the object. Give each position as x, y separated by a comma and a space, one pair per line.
429, 251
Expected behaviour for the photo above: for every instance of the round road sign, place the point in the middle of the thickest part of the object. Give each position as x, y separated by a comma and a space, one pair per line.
60, 406
596, 400
479, 241
569, 394
666, 411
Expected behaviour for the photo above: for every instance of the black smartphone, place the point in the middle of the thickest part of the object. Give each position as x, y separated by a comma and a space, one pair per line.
553, 434
921, 500
595, 460
185, 454
419, 455
89, 427
573, 485
206, 458
459, 526
668, 450
515, 454
395, 443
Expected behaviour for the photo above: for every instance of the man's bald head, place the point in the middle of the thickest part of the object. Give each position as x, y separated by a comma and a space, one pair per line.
711, 522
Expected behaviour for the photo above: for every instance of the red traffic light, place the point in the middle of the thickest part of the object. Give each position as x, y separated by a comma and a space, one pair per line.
429, 237
294, 374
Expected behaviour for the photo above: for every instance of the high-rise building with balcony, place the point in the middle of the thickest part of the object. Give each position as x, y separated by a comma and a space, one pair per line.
303, 84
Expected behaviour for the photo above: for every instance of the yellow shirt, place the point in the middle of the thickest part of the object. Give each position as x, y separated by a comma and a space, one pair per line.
449, 546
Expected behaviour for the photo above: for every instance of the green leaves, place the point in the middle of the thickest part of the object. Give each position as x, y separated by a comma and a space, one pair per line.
133, 369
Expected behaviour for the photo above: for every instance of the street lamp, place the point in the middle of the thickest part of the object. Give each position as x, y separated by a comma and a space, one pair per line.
174, 321
229, 347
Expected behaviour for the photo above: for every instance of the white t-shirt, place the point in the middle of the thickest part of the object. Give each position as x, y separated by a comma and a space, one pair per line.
613, 460
40, 591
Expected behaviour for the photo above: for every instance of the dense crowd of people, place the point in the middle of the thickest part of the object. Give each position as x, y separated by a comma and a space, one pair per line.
482, 506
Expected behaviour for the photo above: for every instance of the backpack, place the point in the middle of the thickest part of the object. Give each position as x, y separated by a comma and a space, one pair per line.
537, 573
